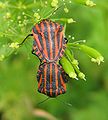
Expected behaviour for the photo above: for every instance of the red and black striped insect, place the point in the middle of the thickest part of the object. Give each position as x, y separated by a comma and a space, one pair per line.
49, 45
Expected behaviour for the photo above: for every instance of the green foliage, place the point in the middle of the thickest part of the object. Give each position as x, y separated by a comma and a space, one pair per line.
18, 68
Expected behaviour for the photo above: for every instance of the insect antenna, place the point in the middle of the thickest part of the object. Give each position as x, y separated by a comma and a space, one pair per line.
43, 101
65, 103
25, 39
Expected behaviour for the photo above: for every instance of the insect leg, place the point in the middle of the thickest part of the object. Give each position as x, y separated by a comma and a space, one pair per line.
25, 38
40, 78
33, 52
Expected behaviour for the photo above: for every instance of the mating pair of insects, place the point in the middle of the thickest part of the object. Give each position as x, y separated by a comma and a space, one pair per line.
49, 45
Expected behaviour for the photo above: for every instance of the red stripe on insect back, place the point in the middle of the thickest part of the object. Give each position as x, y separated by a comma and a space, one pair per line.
45, 74
61, 39
40, 81
62, 83
39, 35
51, 79
56, 43
49, 39
53, 31
56, 79
44, 41
38, 42
61, 45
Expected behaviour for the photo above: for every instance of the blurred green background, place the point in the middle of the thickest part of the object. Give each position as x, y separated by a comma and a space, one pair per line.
18, 86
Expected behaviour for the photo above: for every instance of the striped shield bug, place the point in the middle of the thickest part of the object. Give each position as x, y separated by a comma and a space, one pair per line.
49, 45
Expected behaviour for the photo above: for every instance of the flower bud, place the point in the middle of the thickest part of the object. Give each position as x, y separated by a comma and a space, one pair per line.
90, 3
68, 68
81, 75
8, 15
71, 57
14, 45
66, 10
70, 20
37, 16
75, 63
54, 3
94, 54
98, 60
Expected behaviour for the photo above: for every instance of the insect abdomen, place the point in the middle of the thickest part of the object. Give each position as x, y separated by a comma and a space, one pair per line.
51, 79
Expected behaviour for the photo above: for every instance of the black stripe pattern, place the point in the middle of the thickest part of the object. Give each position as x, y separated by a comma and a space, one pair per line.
48, 85
49, 45
56, 30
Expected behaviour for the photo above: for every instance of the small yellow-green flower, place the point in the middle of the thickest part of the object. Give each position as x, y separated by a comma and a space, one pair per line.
14, 45
66, 10
81, 75
46, 2
70, 20
2, 57
7, 16
19, 17
67, 66
73, 38
69, 36
37, 16
98, 60
73, 75
54, 3
94, 54
90, 3
75, 62
19, 22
